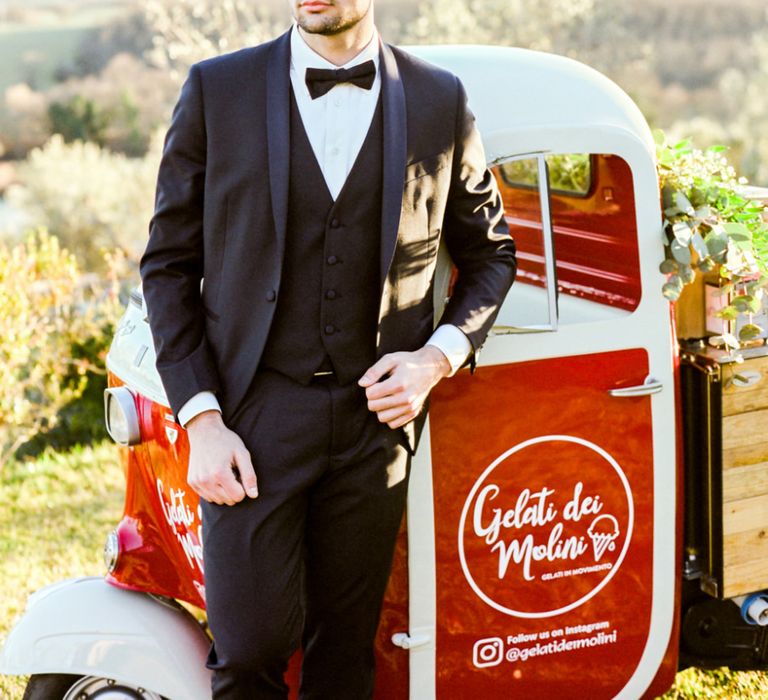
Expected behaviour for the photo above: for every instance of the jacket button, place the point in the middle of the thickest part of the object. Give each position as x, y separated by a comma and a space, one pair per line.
332, 260
330, 294
329, 329
271, 296
335, 223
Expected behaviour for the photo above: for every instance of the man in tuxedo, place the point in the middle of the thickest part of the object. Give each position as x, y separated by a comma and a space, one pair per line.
309, 182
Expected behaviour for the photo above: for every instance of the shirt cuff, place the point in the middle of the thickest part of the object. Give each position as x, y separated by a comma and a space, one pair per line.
204, 401
453, 344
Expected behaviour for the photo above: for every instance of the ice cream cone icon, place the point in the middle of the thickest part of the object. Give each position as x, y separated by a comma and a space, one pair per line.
603, 531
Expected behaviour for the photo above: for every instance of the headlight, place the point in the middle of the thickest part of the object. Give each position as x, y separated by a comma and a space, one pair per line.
111, 551
121, 416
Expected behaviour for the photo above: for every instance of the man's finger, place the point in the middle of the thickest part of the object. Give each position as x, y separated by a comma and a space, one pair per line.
247, 473
224, 496
390, 386
401, 421
376, 371
395, 400
211, 493
393, 414
227, 483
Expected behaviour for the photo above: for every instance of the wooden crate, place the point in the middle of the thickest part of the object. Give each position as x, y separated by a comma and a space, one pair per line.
727, 469
690, 316
745, 477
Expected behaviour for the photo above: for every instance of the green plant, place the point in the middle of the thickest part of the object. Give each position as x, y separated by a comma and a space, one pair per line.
79, 118
81, 420
710, 225
47, 309
89, 197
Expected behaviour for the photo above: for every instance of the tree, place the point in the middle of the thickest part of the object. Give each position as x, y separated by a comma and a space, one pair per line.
540, 25
752, 116
92, 199
186, 31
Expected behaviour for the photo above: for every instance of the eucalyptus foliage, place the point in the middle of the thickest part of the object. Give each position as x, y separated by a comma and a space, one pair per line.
710, 225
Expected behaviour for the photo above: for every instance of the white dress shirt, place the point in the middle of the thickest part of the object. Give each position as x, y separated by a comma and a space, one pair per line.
337, 124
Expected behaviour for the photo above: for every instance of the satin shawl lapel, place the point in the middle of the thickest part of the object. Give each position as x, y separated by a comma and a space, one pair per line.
394, 155
278, 132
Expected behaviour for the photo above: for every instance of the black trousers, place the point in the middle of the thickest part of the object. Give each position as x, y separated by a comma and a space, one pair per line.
307, 562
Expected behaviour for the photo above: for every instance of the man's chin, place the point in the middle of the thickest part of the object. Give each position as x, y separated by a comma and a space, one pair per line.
324, 29
326, 26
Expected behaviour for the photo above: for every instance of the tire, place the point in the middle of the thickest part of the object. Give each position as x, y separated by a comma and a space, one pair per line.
48, 686
62, 686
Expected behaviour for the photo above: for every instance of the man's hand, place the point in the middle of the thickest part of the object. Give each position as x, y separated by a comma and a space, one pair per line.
410, 376
214, 454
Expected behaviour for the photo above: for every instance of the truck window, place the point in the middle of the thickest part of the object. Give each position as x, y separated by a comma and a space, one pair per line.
590, 214
569, 174
531, 304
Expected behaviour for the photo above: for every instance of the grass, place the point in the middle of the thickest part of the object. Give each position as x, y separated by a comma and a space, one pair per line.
55, 512
56, 509
695, 684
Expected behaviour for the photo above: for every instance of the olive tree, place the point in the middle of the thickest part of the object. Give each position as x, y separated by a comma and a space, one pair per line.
186, 31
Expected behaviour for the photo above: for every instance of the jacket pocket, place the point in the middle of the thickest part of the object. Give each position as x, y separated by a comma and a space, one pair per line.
214, 269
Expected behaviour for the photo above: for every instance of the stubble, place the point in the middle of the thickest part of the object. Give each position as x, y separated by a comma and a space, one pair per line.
331, 25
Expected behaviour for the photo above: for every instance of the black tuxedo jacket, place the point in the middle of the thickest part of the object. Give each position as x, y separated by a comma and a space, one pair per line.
220, 214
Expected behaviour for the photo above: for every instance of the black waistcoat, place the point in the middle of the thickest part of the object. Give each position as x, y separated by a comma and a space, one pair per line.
327, 308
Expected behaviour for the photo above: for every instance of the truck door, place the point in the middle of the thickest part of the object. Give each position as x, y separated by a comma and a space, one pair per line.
541, 542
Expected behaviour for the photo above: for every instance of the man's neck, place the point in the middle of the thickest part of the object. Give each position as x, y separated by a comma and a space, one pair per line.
340, 48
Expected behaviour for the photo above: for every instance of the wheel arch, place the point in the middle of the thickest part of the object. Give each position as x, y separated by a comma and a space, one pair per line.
87, 627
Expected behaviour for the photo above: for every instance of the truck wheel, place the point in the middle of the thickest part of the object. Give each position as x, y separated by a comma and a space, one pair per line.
61, 686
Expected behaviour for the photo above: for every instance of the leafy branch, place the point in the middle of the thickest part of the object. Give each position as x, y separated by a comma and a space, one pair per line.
710, 225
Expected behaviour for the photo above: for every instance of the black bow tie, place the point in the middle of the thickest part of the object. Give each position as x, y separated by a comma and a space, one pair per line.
321, 80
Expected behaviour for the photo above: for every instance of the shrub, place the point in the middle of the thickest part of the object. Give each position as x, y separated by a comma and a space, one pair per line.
23, 120
120, 107
90, 198
48, 310
79, 119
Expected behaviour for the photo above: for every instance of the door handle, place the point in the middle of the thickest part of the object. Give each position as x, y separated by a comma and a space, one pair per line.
649, 386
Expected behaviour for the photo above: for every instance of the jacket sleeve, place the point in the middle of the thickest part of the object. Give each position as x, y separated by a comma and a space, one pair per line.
476, 234
172, 264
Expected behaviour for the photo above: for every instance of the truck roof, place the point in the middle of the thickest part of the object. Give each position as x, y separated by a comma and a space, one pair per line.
541, 101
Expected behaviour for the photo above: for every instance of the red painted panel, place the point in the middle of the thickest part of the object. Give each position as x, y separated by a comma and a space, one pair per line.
160, 532
543, 516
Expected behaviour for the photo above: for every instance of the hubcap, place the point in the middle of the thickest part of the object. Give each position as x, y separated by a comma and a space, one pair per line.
90, 688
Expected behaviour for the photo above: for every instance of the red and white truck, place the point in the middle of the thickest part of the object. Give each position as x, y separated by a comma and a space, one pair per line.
559, 539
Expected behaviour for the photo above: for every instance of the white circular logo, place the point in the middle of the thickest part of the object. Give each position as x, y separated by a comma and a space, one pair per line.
546, 526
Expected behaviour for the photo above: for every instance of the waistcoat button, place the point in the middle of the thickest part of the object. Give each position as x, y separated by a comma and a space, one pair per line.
329, 329
332, 260
335, 223
271, 296
330, 294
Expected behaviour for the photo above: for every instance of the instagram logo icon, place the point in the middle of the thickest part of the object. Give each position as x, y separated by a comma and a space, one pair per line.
488, 652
